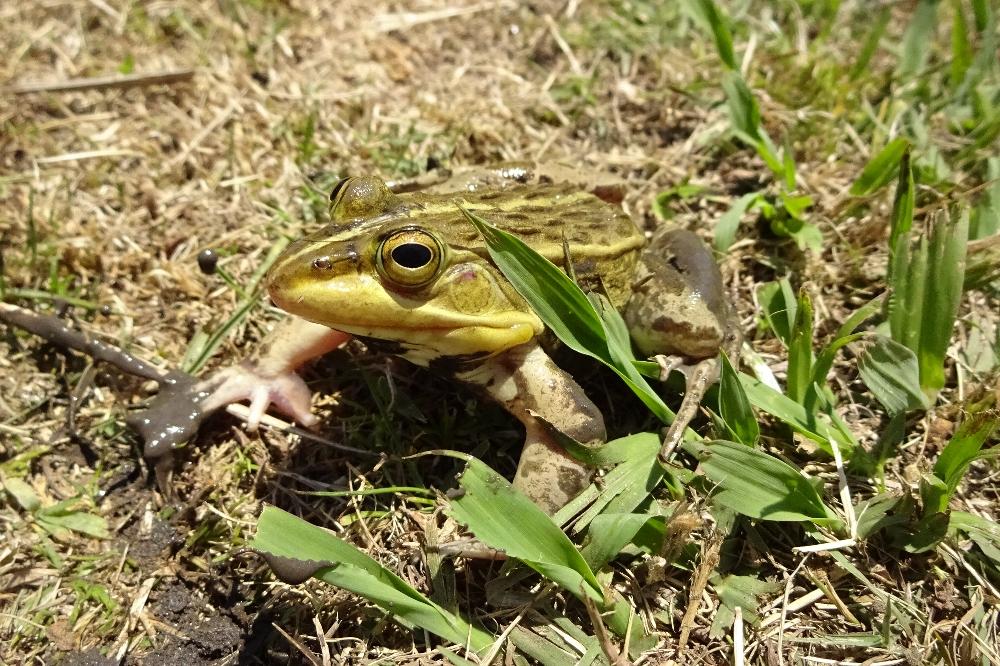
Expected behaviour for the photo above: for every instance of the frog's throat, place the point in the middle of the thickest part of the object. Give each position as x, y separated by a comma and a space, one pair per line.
424, 344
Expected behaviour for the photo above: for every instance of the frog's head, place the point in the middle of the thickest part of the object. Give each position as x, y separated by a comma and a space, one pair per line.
385, 269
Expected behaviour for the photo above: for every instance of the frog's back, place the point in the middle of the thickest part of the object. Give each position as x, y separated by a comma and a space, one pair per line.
603, 241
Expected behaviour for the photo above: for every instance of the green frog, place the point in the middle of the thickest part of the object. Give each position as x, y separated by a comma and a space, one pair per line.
402, 269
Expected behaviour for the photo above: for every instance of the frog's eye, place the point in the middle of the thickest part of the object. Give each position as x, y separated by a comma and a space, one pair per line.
337, 189
409, 258
361, 197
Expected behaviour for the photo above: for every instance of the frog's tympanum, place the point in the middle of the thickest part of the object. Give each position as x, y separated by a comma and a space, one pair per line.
408, 274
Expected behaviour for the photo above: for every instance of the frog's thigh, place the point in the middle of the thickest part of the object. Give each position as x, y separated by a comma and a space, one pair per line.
528, 383
678, 303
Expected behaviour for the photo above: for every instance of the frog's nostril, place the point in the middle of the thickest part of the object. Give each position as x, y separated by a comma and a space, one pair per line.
322, 263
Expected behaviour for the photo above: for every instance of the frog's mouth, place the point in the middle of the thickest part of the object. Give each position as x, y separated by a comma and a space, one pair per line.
362, 307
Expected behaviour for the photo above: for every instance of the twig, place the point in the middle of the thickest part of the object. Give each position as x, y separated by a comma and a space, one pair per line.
709, 559
789, 584
404, 20
87, 155
738, 641
607, 645
119, 81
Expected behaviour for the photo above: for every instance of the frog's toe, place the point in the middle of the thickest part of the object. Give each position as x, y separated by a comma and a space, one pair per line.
287, 392
289, 395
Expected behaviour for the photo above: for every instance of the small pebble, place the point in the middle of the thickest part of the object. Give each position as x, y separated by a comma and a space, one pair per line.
207, 261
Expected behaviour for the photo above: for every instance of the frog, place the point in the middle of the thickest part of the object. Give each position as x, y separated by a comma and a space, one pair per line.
400, 268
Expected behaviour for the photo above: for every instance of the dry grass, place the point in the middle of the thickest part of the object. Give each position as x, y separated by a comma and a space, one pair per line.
107, 195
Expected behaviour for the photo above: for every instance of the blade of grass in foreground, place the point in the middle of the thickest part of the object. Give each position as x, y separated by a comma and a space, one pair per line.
314, 551
533, 538
759, 485
565, 309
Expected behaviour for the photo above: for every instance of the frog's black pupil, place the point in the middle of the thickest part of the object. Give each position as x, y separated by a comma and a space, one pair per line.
337, 188
412, 255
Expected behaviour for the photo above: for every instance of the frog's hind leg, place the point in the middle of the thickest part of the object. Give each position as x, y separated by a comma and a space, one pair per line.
679, 316
542, 396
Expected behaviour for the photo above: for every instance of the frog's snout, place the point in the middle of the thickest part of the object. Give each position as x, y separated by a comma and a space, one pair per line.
306, 264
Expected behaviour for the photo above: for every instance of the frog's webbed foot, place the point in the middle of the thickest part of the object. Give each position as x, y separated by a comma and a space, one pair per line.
698, 378
286, 391
269, 379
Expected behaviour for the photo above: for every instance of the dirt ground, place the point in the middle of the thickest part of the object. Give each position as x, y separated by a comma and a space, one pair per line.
243, 115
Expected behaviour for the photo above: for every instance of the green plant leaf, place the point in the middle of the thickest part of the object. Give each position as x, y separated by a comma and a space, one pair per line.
880, 168
870, 43
779, 307
290, 539
533, 538
942, 296
890, 372
961, 48
800, 353
755, 484
734, 406
610, 532
729, 222
22, 493
634, 476
917, 39
744, 113
960, 451
566, 310
806, 423
709, 15
744, 592
71, 514
880, 512
983, 531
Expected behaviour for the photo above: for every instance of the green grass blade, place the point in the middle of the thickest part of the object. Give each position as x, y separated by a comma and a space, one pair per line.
806, 423
985, 220
780, 308
566, 310
958, 454
734, 406
285, 536
800, 354
918, 38
859, 316
202, 347
870, 43
912, 286
755, 484
901, 219
961, 48
744, 114
946, 276
891, 373
533, 537
729, 222
880, 168
709, 16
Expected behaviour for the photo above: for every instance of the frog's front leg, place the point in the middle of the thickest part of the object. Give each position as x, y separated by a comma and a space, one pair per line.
266, 378
528, 383
679, 315
269, 376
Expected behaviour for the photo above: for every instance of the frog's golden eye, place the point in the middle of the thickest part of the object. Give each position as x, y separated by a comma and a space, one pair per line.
361, 197
409, 258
